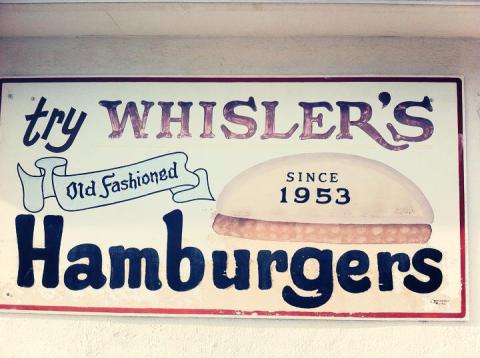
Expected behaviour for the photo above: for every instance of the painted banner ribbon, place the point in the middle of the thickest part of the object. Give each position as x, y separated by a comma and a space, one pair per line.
89, 190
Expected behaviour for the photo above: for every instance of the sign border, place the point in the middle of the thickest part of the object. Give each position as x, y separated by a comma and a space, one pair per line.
179, 312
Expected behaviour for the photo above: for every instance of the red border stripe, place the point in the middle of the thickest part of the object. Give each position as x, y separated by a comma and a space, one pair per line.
229, 312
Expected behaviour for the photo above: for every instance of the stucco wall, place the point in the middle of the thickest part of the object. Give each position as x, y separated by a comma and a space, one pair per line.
23, 335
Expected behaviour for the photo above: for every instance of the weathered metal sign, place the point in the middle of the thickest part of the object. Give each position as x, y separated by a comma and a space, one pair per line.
283, 197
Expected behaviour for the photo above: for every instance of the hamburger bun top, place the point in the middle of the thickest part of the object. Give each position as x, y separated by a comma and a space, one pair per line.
378, 193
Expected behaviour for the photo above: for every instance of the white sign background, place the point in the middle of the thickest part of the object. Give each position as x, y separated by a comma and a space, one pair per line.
433, 165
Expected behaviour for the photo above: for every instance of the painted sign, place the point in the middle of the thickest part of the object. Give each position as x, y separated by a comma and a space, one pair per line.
277, 197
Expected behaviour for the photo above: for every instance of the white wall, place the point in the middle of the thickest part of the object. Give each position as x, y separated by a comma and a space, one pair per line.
23, 335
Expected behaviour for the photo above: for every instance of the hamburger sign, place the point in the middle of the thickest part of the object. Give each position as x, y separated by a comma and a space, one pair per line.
253, 197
